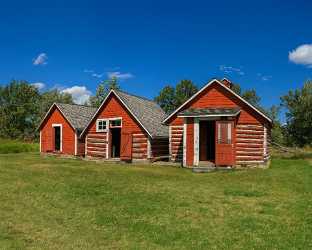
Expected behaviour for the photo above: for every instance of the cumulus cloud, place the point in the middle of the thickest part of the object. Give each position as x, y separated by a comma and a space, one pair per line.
230, 70
80, 94
38, 85
119, 75
41, 59
302, 55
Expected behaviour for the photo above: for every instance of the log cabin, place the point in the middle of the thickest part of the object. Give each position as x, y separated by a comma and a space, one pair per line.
61, 127
126, 127
217, 127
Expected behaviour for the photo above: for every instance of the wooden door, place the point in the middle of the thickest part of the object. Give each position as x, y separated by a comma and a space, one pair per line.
126, 146
225, 143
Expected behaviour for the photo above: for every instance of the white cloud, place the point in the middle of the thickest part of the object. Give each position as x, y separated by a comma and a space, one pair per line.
264, 77
302, 55
97, 75
38, 85
80, 94
119, 75
41, 59
230, 70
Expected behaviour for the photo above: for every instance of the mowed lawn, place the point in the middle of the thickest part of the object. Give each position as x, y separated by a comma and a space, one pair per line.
54, 203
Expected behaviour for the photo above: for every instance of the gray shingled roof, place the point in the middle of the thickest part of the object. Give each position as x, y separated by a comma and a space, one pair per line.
78, 115
147, 112
209, 111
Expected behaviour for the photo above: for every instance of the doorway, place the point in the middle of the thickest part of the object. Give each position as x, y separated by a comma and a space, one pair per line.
57, 138
115, 142
207, 145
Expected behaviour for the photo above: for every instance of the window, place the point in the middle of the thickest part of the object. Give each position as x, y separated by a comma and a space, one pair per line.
224, 133
115, 123
101, 125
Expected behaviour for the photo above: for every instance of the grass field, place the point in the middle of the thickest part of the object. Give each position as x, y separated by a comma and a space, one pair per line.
54, 203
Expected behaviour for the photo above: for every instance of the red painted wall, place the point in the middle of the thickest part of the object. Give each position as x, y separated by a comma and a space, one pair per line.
216, 96
114, 108
68, 133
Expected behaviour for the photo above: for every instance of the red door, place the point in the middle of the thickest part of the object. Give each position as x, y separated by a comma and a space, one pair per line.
126, 147
225, 143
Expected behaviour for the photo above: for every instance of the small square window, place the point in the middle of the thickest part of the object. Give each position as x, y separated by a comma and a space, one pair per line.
115, 123
101, 125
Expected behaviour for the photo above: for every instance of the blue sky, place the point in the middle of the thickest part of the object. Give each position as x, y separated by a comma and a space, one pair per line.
149, 44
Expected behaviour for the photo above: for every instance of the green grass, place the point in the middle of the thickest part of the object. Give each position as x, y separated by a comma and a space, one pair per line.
15, 146
55, 203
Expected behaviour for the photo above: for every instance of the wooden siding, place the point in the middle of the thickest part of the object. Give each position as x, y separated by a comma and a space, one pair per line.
96, 145
250, 143
68, 133
176, 143
190, 142
159, 147
133, 136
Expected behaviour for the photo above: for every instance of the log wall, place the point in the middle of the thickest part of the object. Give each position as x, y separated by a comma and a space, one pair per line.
97, 145
139, 146
176, 143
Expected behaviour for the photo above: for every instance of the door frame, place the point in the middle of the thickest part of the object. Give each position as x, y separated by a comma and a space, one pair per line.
61, 135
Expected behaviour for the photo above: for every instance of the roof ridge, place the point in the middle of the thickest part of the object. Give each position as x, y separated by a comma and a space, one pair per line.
81, 105
141, 97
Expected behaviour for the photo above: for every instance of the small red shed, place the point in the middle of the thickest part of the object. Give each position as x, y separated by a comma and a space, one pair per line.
61, 127
217, 126
126, 127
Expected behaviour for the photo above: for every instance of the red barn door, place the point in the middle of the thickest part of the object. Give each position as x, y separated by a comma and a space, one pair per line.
225, 143
126, 146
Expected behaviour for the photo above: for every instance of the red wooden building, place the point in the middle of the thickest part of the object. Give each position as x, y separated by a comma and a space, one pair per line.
218, 126
126, 127
61, 127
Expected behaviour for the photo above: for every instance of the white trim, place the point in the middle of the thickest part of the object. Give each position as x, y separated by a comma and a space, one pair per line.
149, 148
264, 141
86, 146
107, 144
170, 143
215, 115
61, 135
221, 84
40, 147
196, 141
184, 142
76, 143
97, 125
106, 98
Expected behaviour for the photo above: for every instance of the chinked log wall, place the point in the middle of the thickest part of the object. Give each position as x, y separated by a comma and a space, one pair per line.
251, 144
96, 145
139, 146
176, 143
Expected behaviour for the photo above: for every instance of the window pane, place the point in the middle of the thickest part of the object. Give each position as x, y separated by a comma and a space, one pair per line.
115, 123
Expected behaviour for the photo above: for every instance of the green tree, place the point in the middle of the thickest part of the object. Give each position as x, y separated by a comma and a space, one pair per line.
277, 132
166, 99
19, 110
102, 91
52, 96
298, 104
183, 91
251, 97
171, 98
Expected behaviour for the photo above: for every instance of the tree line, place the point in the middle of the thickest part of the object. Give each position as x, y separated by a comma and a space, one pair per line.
22, 106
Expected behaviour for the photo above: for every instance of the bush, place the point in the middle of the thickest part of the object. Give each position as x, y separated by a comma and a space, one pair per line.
13, 146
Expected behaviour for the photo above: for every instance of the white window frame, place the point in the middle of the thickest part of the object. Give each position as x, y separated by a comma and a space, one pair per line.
97, 125
61, 135
113, 119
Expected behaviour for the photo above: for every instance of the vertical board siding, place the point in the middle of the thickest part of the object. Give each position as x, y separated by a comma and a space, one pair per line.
176, 143
68, 133
190, 142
